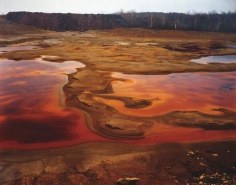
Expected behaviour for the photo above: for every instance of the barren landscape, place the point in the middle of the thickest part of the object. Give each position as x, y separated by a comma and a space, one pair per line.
116, 106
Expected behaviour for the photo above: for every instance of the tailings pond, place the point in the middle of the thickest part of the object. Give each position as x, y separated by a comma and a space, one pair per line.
33, 113
202, 92
32, 110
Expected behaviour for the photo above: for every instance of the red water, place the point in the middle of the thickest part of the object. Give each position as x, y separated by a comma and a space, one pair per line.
33, 114
202, 92
168, 134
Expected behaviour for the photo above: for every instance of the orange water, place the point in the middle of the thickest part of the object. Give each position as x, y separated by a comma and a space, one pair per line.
202, 92
33, 114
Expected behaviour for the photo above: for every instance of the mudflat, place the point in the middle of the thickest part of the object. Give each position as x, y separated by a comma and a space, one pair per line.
111, 104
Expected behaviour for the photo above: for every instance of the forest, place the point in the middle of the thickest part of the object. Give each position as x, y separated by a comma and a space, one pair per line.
210, 22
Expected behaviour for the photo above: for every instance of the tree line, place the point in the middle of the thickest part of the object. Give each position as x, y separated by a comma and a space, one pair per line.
213, 22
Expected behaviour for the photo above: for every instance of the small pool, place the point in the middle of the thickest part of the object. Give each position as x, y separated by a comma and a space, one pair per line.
16, 48
225, 59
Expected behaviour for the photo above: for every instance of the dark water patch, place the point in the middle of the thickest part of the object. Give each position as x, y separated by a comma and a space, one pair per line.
228, 87
191, 47
23, 129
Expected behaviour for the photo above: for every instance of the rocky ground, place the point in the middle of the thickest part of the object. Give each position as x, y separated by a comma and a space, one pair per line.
107, 163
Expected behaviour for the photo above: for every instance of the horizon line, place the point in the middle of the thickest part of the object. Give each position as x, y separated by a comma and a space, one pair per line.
125, 12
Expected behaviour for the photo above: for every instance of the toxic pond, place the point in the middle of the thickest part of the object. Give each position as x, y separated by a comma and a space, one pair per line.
31, 106
216, 59
202, 92
33, 114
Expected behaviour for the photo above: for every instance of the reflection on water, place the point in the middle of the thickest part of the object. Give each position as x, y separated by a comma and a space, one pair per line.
216, 59
30, 110
32, 113
187, 91
232, 46
16, 48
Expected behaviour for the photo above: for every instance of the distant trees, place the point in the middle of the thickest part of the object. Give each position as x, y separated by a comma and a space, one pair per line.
225, 22
64, 22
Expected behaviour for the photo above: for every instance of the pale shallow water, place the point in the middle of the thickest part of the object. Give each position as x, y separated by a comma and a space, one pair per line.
232, 46
226, 59
17, 48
